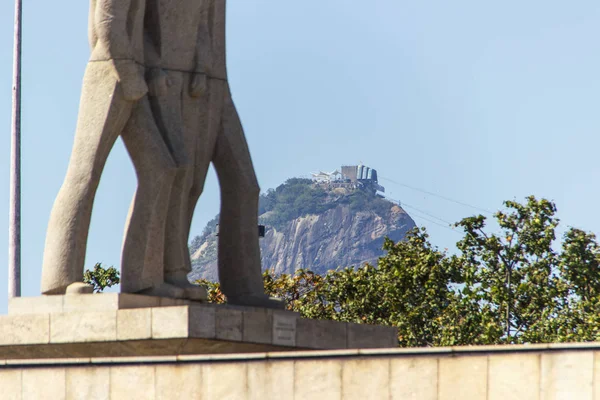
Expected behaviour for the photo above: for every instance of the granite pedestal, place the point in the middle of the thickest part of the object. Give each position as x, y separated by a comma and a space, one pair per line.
124, 325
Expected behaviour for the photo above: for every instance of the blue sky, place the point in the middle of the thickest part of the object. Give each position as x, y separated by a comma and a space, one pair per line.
476, 101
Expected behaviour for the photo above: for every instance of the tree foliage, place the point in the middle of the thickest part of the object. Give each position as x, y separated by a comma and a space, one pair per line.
101, 278
512, 283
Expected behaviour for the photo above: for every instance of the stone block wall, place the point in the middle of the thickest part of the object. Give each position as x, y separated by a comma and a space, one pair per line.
487, 373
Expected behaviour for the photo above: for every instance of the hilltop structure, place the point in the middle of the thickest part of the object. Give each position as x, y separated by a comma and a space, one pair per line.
350, 177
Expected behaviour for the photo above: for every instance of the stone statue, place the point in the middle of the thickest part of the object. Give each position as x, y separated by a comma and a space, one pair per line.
199, 115
113, 103
187, 120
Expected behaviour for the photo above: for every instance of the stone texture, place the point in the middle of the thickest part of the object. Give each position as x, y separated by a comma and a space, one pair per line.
220, 139
366, 379
135, 382
596, 376
188, 329
170, 322
134, 324
10, 384
566, 376
514, 377
318, 242
412, 374
203, 322
35, 305
88, 384
178, 382
225, 381
26, 329
414, 378
271, 380
157, 77
87, 303
113, 102
318, 379
229, 324
258, 326
284, 329
455, 372
83, 327
319, 334
371, 336
44, 384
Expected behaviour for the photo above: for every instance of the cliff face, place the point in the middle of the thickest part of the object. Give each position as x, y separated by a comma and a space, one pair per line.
337, 238
343, 233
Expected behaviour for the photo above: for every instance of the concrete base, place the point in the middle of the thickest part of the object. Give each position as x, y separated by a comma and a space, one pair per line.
122, 325
541, 372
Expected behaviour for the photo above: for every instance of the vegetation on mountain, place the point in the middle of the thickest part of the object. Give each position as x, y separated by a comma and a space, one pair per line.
295, 198
298, 197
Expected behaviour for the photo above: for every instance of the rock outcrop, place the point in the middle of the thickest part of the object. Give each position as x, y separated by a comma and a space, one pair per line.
345, 233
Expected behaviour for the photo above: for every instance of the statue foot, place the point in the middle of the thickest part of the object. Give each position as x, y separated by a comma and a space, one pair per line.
263, 301
196, 293
192, 292
79, 288
164, 290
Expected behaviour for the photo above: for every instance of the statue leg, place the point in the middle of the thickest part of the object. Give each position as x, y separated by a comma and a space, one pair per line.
239, 252
191, 116
143, 246
208, 129
102, 115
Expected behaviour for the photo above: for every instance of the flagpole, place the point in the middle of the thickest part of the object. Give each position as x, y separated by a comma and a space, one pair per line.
14, 230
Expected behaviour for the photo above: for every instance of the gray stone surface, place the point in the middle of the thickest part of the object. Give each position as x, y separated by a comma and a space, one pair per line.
271, 381
455, 371
194, 328
25, 329
44, 384
126, 382
317, 334
405, 374
284, 329
414, 378
567, 376
178, 382
225, 381
11, 384
365, 379
557, 371
113, 103
157, 77
81, 327
316, 379
87, 303
88, 384
361, 336
510, 377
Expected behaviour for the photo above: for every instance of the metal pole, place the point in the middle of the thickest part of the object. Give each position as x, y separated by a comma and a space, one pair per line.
14, 229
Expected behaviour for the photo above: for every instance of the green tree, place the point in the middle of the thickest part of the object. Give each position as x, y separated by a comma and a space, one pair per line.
101, 278
511, 273
507, 284
408, 289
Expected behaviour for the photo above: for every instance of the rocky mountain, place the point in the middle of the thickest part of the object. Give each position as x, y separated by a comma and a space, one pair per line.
314, 226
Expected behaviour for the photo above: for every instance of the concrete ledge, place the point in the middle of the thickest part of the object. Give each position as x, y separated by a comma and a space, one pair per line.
88, 303
500, 372
195, 328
